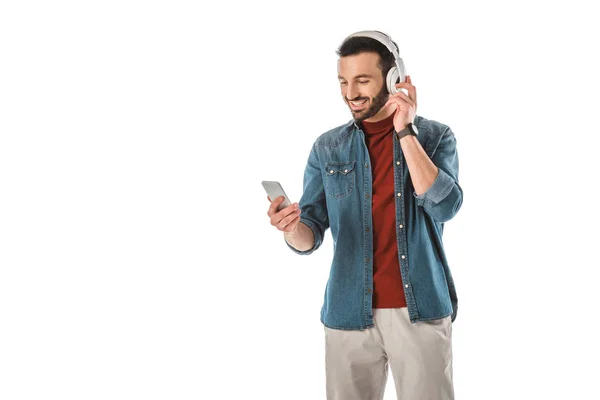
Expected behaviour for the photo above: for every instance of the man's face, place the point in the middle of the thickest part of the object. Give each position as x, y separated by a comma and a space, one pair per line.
362, 85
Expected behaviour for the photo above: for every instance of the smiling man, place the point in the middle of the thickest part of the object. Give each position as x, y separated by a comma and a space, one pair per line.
372, 93
384, 183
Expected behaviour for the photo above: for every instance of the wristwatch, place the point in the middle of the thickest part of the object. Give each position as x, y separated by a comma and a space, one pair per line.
411, 129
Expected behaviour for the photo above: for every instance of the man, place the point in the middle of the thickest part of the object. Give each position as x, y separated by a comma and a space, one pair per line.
385, 183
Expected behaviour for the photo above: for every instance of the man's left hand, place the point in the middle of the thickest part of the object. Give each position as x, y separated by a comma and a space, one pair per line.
406, 106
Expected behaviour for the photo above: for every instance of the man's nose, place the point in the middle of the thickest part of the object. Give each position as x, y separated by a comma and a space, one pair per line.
352, 92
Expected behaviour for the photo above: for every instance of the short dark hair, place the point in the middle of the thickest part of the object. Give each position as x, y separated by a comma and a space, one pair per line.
360, 44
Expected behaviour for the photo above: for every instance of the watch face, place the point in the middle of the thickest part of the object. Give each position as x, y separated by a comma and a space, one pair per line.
414, 129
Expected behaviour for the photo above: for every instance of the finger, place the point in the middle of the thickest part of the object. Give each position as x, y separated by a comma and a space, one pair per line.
281, 225
287, 220
412, 90
277, 216
405, 98
292, 225
390, 100
274, 204
392, 103
397, 94
284, 212
400, 103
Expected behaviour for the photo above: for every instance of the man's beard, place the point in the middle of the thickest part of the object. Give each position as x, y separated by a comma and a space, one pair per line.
378, 102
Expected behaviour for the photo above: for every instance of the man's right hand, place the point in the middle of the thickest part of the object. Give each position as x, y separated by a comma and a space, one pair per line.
285, 220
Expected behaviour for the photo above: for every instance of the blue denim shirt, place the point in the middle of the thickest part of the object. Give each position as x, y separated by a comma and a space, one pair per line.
337, 194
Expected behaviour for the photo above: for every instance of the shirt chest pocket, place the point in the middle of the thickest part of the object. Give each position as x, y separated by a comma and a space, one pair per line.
339, 178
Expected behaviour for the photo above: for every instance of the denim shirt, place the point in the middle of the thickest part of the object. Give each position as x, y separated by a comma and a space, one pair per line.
337, 193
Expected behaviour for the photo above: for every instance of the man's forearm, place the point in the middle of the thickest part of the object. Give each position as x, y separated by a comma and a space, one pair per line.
422, 170
303, 239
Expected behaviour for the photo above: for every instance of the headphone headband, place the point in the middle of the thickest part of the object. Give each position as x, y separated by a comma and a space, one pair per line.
381, 37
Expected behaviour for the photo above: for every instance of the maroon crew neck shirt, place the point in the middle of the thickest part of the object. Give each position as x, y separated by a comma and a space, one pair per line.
388, 291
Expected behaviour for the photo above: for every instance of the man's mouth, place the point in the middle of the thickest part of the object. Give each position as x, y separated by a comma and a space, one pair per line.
357, 105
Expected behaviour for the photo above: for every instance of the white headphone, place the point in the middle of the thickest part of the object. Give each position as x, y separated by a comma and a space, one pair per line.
395, 73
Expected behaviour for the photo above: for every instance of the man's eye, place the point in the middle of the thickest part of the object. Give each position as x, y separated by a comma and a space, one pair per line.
343, 83
363, 82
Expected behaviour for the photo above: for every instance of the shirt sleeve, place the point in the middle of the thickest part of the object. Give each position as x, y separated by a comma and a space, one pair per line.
313, 203
443, 199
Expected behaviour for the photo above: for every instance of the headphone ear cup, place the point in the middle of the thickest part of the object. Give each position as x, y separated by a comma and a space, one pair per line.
392, 78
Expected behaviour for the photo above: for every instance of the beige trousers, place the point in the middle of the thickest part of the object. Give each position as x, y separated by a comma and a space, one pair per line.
419, 355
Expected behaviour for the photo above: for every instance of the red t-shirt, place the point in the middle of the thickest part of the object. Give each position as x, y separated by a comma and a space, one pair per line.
388, 291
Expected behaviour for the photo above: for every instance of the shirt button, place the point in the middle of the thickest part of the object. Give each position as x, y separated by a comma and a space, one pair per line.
367, 196
367, 165
399, 194
367, 229
403, 256
368, 290
397, 162
345, 170
401, 226
406, 285
368, 259
331, 172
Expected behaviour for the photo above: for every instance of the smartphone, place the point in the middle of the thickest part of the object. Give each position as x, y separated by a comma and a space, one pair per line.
274, 190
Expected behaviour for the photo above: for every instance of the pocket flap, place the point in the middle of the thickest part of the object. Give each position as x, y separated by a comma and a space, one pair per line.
339, 168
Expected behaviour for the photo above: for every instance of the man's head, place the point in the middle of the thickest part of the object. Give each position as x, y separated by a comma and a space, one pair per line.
362, 68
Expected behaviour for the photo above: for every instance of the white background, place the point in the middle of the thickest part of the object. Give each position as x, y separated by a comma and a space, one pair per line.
136, 257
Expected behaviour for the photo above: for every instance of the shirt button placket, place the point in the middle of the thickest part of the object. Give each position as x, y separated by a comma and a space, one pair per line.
401, 226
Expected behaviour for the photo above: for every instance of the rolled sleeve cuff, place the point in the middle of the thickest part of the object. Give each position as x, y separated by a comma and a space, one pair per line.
441, 187
316, 233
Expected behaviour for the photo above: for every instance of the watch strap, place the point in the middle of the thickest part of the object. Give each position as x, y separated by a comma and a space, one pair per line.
404, 132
